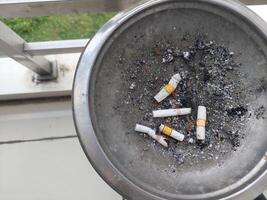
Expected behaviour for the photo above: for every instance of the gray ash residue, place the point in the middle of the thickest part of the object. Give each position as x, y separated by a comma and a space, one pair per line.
237, 111
260, 112
262, 87
208, 72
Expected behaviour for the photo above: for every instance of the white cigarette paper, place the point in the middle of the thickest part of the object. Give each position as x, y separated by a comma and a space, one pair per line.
171, 132
171, 112
201, 122
152, 133
169, 88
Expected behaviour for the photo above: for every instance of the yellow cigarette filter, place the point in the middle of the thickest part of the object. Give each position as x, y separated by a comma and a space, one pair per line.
201, 122
171, 132
167, 130
169, 88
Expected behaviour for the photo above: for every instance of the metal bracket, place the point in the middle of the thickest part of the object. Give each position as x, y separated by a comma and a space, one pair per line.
37, 78
19, 83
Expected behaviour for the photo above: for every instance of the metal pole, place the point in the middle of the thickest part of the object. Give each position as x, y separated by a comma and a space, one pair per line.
55, 47
12, 45
28, 8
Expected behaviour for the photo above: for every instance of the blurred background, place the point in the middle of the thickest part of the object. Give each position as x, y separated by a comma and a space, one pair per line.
76, 26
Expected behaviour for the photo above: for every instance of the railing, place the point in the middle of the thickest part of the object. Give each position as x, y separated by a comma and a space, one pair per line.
31, 55
28, 54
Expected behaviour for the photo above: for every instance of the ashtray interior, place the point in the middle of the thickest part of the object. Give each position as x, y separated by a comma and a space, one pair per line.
114, 114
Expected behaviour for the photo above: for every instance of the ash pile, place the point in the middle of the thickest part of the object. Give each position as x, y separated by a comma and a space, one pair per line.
210, 77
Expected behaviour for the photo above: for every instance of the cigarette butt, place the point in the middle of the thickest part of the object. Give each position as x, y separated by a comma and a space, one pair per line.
152, 133
169, 88
171, 112
171, 132
161, 95
201, 122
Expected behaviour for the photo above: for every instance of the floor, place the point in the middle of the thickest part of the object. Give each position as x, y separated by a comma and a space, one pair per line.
40, 155
41, 158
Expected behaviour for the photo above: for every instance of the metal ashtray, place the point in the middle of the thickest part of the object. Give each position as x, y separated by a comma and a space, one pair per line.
137, 168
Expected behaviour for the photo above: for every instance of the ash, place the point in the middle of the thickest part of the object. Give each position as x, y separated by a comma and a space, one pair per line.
260, 112
209, 74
